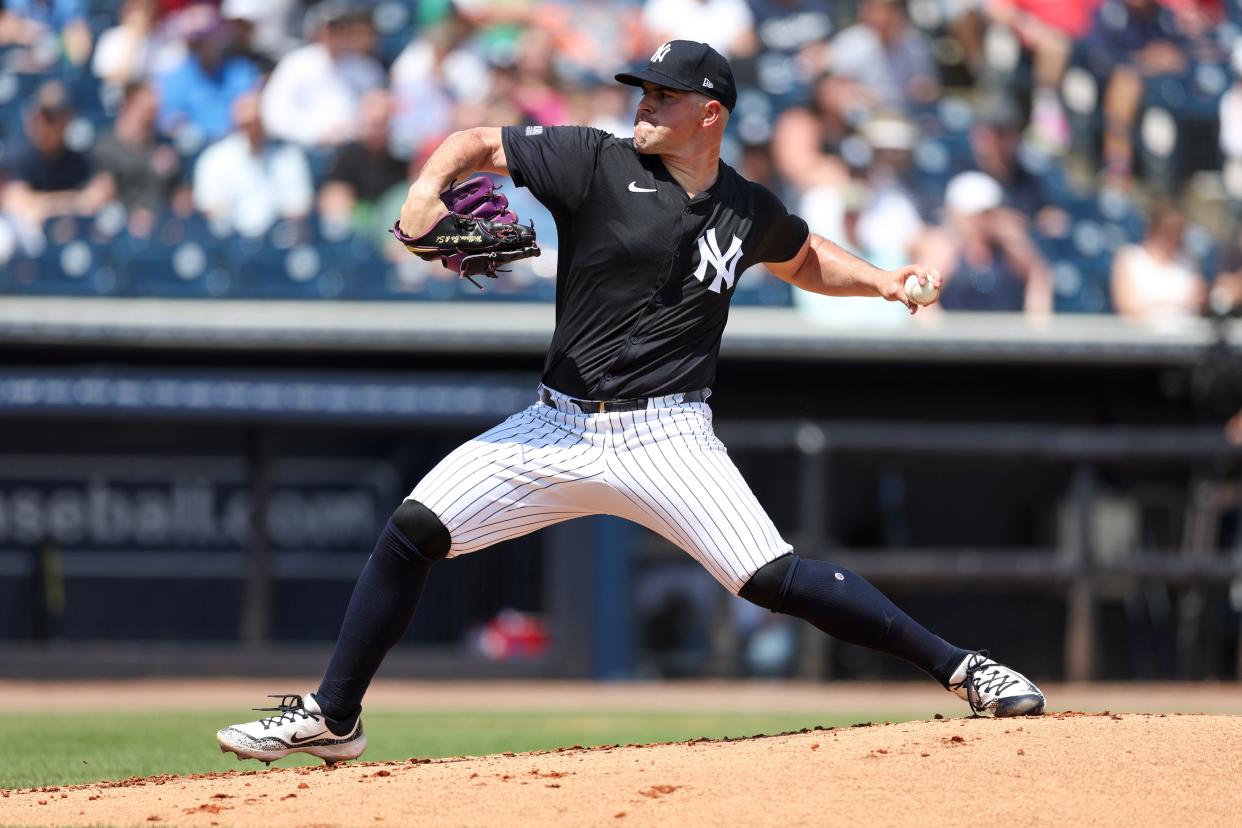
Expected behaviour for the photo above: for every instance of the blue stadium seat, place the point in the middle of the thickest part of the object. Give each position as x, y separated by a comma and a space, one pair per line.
12, 101
181, 258
1079, 208
20, 275
1055, 186
258, 270
1202, 249
931, 170
16, 91
139, 262
1117, 207
1095, 295
71, 269
1066, 284
364, 273
1054, 248
395, 23
320, 162
1081, 286
355, 268
64, 229
85, 90
303, 271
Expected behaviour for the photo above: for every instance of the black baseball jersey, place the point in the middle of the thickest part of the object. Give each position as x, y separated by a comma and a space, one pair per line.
645, 272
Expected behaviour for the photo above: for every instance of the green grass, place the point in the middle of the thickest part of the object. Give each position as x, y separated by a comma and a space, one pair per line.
65, 748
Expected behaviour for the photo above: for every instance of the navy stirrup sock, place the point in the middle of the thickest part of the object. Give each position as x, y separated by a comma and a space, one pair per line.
849, 608
379, 614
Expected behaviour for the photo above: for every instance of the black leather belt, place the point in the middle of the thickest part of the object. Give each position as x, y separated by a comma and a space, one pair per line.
606, 406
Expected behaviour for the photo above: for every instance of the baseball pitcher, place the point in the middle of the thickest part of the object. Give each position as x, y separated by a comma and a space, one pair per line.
655, 231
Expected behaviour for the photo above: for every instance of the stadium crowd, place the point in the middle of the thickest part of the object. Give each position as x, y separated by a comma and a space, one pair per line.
1047, 155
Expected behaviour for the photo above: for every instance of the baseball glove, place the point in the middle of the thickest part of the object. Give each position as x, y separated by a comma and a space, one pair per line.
479, 234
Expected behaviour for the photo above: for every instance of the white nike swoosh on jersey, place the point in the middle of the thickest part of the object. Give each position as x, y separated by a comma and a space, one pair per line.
634, 188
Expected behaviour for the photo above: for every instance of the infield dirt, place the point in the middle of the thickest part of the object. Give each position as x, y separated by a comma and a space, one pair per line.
1060, 769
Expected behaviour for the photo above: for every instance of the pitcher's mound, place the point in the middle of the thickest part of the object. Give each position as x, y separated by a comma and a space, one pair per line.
1061, 769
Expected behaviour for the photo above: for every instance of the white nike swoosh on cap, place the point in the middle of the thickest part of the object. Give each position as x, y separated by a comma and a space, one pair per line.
634, 188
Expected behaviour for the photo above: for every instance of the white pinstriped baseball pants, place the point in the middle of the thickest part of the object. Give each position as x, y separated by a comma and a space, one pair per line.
661, 467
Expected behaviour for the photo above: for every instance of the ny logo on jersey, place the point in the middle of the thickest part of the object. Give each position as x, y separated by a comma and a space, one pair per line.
661, 52
709, 253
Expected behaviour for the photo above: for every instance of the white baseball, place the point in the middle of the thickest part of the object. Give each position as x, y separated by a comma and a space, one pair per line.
918, 293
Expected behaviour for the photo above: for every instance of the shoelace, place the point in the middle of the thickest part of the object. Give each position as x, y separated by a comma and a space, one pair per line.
975, 685
289, 708
975, 662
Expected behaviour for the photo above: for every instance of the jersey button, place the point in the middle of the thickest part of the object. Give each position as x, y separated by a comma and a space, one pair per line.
607, 377
659, 300
634, 340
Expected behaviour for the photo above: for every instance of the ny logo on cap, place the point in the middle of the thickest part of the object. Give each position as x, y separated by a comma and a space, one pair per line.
709, 253
661, 52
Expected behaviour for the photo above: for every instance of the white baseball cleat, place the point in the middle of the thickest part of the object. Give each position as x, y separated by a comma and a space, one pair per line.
988, 686
299, 727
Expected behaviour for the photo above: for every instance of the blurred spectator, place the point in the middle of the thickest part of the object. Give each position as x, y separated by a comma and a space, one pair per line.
1231, 133
755, 164
996, 143
983, 252
1130, 41
608, 107
127, 52
724, 24
496, 24
875, 212
806, 140
46, 177
838, 214
595, 39
888, 219
313, 95
1197, 17
825, 104
873, 216
363, 170
1048, 29
995, 139
440, 54
264, 27
47, 26
1154, 280
498, 107
963, 22
241, 45
197, 97
882, 62
429, 79
139, 170
787, 48
248, 181
536, 91
1226, 293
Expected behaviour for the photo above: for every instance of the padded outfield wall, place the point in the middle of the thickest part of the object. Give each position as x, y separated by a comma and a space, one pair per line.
192, 488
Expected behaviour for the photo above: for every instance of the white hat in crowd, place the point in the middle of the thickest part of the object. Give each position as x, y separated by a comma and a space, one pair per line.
971, 193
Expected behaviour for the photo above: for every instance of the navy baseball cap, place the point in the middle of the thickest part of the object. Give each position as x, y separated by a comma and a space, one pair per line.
689, 66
